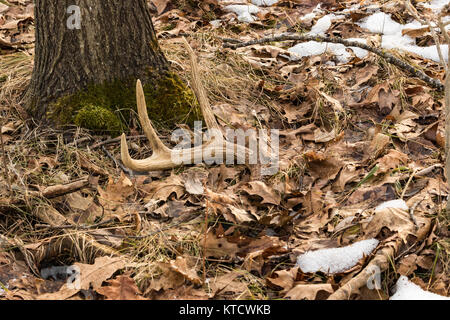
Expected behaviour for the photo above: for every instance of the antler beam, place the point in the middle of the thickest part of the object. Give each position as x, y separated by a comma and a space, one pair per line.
164, 158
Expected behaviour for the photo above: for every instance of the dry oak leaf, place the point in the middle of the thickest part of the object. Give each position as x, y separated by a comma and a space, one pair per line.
121, 288
258, 250
349, 173
180, 265
91, 275
337, 106
377, 146
227, 283
219, 197
391, 161
327, 169
168, 280
285, 279
161, 190
310, 292
219, 247
161, 5
116, 192
76, 201
240, 215
193, 180
259, 188
414, 33
399, 221
407, 265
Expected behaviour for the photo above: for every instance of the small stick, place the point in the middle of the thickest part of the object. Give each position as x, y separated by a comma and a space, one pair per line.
411, 213
118, 163
112, 141
204, 241
62, 189
78, 141
407, 184
5, 163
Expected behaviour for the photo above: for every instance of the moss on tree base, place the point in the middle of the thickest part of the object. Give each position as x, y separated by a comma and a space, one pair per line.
107, 108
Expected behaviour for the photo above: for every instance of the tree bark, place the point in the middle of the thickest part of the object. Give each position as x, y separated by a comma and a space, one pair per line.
116, 41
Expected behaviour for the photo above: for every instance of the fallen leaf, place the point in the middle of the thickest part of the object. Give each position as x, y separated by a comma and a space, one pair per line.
121, 288
259, 188
310, 292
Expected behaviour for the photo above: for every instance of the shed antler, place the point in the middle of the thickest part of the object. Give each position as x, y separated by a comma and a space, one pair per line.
164, 158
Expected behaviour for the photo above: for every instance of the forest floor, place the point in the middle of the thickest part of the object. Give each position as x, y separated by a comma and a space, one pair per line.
355, 133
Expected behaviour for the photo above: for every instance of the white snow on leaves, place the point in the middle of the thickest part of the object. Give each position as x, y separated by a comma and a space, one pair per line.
406, 290
336, 260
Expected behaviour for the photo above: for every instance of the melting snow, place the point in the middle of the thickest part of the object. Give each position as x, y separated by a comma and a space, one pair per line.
244, 12
378, 22
322, 25
266, 3
336, 260
398, 204
392, 37
341, 52
436, 5
406, 290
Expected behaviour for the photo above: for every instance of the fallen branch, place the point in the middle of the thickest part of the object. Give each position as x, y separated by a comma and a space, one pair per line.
435, 83
63, 189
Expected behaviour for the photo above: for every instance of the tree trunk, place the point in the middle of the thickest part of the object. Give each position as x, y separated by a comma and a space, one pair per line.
115, 41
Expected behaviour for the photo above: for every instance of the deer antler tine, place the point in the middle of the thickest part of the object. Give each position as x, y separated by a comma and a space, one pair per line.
199, 91
155, 142
164, 158
124, 154
161, 158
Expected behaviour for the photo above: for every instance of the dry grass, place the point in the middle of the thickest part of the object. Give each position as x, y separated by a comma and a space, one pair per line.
227, 79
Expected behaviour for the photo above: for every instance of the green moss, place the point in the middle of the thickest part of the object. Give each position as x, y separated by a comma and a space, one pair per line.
109, 107
98, 119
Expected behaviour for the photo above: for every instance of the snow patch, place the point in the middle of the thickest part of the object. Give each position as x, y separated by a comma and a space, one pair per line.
322, 25
380, 22
312, 14
406, 290
397, 204
216, 23
435, 5
312, 48
336, 260
392, 37
244, 12
264, 3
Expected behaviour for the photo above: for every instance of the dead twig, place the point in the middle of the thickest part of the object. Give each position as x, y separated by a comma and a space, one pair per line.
5, 163
63, 189
114, 140
411, 213
118, 163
